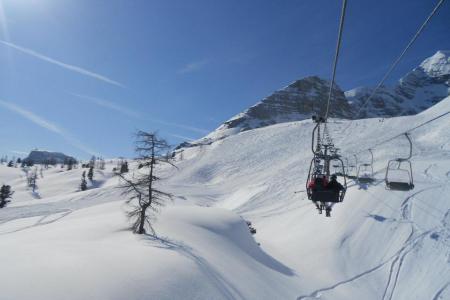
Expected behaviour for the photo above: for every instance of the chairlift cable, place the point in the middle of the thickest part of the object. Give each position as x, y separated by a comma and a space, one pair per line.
405, 132
336, 56
397, 61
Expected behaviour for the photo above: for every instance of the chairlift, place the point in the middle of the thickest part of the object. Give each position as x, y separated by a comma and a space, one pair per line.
365, 171
399, 175
319, 170
320, 177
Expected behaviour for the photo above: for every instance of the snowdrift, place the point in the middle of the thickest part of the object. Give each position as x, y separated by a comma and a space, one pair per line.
378, 244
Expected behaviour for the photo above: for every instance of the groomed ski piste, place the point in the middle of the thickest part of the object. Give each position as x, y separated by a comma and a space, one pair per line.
60, 243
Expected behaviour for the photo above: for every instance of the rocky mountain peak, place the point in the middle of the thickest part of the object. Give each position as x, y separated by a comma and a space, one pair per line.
299, 100
438, 64
46, 157
418, 90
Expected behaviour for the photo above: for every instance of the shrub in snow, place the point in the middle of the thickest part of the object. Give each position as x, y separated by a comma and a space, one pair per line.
250, 227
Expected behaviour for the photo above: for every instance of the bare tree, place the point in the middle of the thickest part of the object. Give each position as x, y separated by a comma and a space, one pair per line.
32, 178
141, 188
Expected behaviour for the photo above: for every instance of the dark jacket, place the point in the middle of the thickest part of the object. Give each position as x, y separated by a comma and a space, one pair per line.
335, 186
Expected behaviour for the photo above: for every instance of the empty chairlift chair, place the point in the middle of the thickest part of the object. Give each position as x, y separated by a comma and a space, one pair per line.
399, 176
365, 171
352, 170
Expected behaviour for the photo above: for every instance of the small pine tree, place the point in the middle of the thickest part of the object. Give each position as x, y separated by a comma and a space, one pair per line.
5, 195
124, 167
91, 173
11, 164
83, 185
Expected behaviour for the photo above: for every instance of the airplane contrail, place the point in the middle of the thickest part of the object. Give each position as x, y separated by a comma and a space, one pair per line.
61, 64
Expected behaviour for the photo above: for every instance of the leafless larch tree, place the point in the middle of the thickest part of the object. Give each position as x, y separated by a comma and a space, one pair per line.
141, 186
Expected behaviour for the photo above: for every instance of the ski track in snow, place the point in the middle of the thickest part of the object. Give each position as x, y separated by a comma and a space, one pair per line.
399, 254
438, 294
396, 260
220, 283
40, 222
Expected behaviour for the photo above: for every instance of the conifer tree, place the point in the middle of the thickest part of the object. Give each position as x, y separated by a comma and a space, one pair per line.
83, 185
124, 167
5, 195
91, 173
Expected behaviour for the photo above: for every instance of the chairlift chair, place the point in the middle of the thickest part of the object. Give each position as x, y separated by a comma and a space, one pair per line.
320, 193
352, 169
401, 166
365, 171
319, 169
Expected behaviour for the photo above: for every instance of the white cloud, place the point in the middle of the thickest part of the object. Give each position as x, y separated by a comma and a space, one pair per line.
193, 66
110, 105
41, 122
61, 64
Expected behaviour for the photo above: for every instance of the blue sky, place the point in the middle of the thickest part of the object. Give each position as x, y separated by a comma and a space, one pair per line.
80, 76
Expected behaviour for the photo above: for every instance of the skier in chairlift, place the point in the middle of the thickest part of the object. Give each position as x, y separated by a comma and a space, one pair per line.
318, 184
336, 187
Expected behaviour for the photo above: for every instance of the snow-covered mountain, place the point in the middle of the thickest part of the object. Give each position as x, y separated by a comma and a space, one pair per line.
42, 157
378, 244
418, 90
299, 100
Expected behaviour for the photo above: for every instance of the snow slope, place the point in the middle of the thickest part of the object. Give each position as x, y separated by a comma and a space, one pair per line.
378, 244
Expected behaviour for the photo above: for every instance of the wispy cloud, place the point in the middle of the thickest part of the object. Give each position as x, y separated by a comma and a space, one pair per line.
182, 126
193, 66
19, 152
135, 114
181, 137
41, 122
66, 66
110, 105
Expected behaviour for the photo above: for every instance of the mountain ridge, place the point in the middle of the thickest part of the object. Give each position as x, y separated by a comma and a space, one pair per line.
419, 89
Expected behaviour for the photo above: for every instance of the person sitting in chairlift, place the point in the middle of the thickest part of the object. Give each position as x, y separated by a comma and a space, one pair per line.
336, 187
318, 184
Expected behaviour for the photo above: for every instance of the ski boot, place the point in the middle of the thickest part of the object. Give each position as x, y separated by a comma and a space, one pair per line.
319, 208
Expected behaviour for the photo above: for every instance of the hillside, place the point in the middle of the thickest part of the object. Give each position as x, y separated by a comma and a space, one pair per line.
378, 244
